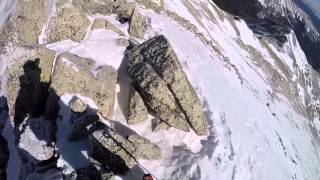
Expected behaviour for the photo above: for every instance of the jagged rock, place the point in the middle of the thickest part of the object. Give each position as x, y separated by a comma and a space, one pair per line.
159, 54
78, 106
104, 7
156, 95
28, 82
35, 139
99, 24
137, 110
69, 23
137, 26
145, 149
81, 126
73, 75
158, 125
31, 19
93, 172
124, 9
110, 148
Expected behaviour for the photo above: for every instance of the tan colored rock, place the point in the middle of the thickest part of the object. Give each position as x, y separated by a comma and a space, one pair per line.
32, 15
124, 9
69, 23
78, 106
137, 110
74, 75
137, 26
104, 7
99, 24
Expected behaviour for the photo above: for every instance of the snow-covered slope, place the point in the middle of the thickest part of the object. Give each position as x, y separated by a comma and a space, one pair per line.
260, 100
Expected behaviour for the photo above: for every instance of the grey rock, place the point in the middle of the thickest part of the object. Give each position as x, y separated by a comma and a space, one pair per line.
137, 110
137, 26
78, 106
74, 75
112, 149
156, 95
158, 53
145, 149
158, 125
68, 23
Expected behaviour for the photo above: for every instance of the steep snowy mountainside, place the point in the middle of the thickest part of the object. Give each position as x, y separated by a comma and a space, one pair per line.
275, 19
261, 100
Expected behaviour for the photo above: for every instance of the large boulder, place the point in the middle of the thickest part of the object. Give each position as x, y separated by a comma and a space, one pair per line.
124, 9
31, 18
28, 82
156, 95
160, 57
74, 75
137, 110
68, 23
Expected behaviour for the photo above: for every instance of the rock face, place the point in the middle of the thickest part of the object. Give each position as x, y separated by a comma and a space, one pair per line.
124, 9
145, 149
31, 19
69, 23
155, 69
158, 125
137, 110
73, 75
93, 6
137, 26
157, 96
28, 82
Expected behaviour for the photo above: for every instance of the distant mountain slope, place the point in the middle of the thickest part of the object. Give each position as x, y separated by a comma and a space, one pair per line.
283, 14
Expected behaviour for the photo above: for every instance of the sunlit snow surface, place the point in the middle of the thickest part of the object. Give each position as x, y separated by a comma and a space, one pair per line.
248, 139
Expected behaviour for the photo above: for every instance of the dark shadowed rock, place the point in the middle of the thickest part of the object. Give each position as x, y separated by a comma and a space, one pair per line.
160, 57
156, 95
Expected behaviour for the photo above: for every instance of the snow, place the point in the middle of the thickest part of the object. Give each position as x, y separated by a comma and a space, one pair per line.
252, 135
6, 7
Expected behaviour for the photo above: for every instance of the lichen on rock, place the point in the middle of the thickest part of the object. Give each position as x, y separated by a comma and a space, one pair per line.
137, 110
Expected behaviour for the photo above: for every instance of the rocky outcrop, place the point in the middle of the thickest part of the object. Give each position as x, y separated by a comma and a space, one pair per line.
78, 106
156, 95
137, 26
104, 7
158, 74
68, 23
157, 125
74, 75
105, 24
137, 110
28, 82
32, 15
